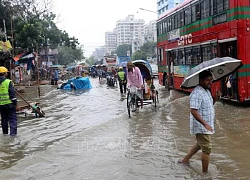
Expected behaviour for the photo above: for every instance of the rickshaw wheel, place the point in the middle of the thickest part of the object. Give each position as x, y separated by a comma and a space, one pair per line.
129, 104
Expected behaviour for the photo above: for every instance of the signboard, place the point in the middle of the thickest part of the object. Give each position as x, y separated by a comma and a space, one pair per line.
110, 60
128, 53
184, 40
123, 59
174, 35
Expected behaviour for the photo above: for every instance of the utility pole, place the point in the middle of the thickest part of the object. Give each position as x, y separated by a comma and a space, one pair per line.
12, 36
5, 37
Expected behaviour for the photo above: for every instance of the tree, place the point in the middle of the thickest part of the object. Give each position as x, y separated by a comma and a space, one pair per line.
68, 55
34, 25
146, 50
122, 49
149, 48
139, 55
90, 60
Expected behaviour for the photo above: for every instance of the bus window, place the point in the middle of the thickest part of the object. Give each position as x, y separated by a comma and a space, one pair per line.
165, 26
204, 9
187, 15
169, 24
181, 18
161, 27
214, 51
160, 56
196, 12
178, 20
206, 53
172, 23
193, 14
196, 55
212, 7
175, 22
175, 57
188, 56
219, 5
181, 57
226, 4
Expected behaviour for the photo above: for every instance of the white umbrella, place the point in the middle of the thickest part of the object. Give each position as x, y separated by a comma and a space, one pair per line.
219, 67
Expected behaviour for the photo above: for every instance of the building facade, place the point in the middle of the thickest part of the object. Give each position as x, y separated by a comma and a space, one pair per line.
99, 53
110, 41
129, 30
150, 32
164, 5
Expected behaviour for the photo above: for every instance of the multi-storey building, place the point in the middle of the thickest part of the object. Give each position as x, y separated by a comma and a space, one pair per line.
99, 53
110, 41
129, 30
164, 5
150, 32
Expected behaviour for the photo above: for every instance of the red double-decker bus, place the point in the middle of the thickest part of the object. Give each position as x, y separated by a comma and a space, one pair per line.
199, 30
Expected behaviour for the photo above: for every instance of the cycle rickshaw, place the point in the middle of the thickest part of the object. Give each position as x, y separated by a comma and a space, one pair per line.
150, 94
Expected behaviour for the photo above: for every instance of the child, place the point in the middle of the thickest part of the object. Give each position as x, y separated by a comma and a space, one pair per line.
149, 88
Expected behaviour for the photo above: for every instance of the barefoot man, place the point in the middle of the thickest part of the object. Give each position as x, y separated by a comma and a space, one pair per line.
202, 117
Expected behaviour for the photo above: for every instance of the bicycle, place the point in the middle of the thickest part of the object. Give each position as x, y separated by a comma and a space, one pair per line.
132, 100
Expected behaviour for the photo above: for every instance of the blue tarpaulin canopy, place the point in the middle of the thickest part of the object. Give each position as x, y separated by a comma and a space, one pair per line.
80, 83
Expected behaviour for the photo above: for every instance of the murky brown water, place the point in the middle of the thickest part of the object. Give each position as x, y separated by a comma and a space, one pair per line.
89, 136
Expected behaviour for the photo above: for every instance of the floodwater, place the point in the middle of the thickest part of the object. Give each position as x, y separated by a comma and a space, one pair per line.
89, 136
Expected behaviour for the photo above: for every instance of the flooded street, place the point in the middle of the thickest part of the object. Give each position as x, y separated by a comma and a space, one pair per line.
89, 136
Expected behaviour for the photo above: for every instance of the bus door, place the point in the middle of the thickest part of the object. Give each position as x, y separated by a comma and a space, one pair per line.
229, 85
169, 77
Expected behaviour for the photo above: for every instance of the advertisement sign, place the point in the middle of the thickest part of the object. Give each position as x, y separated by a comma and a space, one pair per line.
174, 35
181, 71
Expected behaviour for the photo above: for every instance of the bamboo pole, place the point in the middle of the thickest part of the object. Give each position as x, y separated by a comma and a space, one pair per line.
38, 112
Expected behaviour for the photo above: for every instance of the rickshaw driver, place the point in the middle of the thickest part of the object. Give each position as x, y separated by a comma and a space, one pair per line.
134, 78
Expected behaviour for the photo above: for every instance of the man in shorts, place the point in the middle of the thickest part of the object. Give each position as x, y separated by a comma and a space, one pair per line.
202, 117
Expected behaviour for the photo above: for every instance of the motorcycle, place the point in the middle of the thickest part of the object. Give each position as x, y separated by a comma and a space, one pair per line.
111, 80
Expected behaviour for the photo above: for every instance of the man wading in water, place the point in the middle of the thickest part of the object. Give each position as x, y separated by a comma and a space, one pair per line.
202, 117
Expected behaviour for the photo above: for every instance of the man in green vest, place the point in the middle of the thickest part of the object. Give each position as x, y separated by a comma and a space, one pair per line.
8, 103
122, 80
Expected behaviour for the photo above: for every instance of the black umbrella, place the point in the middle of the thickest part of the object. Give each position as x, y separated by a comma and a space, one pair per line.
219, 67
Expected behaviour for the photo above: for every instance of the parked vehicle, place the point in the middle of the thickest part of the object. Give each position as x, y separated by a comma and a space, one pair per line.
154, 68
201, 31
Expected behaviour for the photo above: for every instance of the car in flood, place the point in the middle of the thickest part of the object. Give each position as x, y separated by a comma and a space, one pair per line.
154, 68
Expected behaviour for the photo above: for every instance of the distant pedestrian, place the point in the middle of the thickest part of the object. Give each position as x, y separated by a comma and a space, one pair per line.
17, 77
56, 77
8, 103
99, 72
202, 116
122, 80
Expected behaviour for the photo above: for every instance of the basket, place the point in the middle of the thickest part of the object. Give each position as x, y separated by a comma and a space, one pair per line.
133, 89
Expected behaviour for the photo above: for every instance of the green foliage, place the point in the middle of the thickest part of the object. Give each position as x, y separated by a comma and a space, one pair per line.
33, 25
139, 55
122, 49
68, 55
146, 50
90, 60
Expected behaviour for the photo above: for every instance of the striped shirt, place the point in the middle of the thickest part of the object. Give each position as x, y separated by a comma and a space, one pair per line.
201, 99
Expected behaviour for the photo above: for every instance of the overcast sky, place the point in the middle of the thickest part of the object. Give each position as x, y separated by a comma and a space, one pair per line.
88, 20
